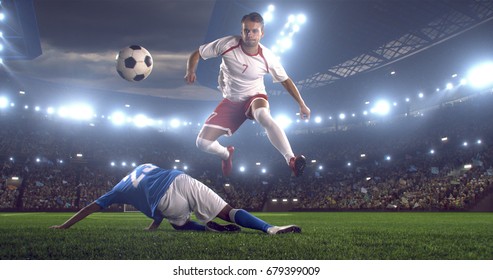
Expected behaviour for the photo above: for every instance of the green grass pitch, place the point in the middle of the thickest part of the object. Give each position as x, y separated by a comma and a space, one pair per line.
325, 236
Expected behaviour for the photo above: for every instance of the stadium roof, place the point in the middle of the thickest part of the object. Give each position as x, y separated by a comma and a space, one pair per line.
19, 30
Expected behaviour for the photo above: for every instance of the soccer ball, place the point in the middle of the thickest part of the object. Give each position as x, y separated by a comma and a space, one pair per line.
134, 63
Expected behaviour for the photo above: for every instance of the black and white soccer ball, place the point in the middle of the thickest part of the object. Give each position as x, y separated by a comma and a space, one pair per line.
134, 63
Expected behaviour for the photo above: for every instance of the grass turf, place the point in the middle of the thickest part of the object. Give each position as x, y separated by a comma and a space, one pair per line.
325, 236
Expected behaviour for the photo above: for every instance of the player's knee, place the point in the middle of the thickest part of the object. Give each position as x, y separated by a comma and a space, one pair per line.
202, 144
262, 116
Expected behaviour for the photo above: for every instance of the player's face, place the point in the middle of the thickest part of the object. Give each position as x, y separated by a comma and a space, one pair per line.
251, 33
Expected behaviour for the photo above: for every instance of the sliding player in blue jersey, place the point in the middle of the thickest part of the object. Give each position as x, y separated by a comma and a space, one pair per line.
173, 195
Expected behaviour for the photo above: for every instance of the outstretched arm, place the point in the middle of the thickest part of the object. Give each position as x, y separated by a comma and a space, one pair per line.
293, 91
192, 63
84, 212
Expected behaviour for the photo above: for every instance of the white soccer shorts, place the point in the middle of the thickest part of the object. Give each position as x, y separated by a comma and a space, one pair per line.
186, 195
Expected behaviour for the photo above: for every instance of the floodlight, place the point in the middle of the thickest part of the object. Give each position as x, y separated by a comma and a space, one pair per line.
480, 76
421, 95
382, 107
286, 43
301, 18
342, 116
449, 86
242, 168
318, 119
268, 17
283, 121
141, 120
118, 118
3, 102
2, 16
175, 123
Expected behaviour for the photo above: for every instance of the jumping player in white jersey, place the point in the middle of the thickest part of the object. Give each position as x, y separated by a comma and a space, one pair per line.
241, 80
173, 195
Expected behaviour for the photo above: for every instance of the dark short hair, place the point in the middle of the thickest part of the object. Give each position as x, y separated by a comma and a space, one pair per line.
255, 17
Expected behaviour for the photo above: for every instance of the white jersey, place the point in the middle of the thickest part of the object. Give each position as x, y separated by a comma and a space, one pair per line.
241, 75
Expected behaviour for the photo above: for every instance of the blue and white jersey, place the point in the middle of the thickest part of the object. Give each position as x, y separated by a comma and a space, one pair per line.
143, 189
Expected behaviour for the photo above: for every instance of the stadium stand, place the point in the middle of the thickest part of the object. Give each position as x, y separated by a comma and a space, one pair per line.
41, 172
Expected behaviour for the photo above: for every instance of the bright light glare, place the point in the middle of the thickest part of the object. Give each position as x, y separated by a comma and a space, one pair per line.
286, 43
381, 108
318, 119
118, 118
2, 16
3, 102
268, 17
283, 121
480, 76
269, 14
301, 18
175, 123
77, 112
141, 120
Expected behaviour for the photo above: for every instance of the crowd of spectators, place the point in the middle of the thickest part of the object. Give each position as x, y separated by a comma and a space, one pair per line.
404, 163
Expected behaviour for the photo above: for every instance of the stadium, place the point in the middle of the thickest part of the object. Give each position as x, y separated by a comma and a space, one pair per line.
399, 145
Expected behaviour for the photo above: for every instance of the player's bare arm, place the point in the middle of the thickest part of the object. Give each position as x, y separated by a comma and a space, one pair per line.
192, 63
293, 91
84, 212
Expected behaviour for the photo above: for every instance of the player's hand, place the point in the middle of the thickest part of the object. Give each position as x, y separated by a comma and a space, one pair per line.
150, 229
305, 112
190, 78
58, 227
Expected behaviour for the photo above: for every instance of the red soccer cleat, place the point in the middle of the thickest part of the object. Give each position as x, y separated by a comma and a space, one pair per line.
227, 164
297, 165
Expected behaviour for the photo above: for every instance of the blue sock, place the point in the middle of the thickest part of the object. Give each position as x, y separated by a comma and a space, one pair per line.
245, 219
